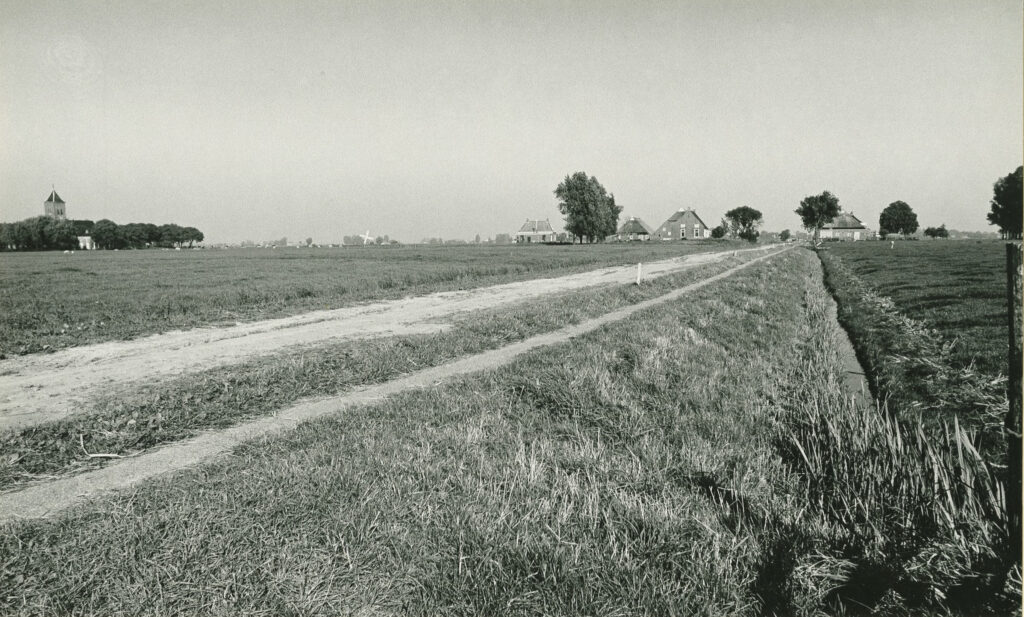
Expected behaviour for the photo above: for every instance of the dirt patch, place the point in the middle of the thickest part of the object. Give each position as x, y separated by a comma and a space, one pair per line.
50, 498
42, 388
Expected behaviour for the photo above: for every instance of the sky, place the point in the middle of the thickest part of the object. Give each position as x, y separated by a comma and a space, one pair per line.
257, 120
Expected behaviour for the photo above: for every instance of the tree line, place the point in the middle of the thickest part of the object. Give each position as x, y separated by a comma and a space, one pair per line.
44, 233
899, 218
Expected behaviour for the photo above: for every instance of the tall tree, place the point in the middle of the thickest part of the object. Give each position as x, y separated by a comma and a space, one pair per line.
743, 223
1006, 204
589, 210
817, 210
897, 218
106, 234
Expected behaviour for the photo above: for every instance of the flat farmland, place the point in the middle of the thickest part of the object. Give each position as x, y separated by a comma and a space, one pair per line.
956, 287
698, 456
51, 300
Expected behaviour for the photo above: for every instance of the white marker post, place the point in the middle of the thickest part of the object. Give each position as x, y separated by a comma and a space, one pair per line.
639, 271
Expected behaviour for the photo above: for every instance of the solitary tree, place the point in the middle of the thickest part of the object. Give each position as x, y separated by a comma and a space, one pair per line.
897, 218
784, 235
743, 222
937, 232
588, 208
817, 210
1006, 204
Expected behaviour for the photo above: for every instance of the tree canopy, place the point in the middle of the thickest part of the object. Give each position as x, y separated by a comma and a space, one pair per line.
817, 210
897, 218
590, 211
1006, 204
39, 233
743, 223
937, 232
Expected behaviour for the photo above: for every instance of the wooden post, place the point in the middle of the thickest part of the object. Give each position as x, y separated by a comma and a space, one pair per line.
1013, 393
639, 266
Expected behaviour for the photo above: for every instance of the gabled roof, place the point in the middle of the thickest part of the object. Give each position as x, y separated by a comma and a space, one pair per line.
635, 226
678, 214
536, 227
54, 198
844, 220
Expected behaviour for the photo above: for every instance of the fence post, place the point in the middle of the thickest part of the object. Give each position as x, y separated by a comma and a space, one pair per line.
1013, 393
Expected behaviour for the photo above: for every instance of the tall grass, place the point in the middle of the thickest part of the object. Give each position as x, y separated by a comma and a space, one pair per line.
699, 458
913, 367
904, 515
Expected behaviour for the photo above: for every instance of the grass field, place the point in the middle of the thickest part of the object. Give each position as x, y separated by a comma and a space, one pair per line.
129, 421
50, 300
928, 321
698, 458
956, 287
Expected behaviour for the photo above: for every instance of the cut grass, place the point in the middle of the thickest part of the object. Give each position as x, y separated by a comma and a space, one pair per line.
50, 301
957, 288
130, 421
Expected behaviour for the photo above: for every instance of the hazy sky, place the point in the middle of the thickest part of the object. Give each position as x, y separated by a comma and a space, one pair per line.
256, 120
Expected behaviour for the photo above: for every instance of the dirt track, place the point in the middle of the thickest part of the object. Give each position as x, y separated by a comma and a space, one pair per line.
40, 388
52, 497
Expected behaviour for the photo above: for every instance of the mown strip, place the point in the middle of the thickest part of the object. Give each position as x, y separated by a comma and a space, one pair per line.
128, 422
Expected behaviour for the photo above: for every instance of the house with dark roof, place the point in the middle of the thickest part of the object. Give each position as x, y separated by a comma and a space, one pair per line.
535, 231
633, 229
683, 225
845, 226
54, 206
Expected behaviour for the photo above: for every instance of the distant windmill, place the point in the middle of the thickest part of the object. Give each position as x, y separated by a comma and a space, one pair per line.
367, 238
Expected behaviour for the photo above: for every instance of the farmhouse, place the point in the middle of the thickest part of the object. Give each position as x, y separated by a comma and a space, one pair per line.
633, 229
845, 226
683, 225
535, 231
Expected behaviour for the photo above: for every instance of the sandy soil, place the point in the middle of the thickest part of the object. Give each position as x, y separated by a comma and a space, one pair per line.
52, 497
45, 387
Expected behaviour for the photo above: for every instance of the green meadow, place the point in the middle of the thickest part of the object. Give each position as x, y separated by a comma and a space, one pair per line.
49, 300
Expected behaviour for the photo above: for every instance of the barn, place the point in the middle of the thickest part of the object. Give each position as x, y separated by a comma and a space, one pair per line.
845, 226
683, 225
633, 229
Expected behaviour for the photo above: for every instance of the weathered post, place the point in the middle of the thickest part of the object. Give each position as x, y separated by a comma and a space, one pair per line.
639, 271
1013, 416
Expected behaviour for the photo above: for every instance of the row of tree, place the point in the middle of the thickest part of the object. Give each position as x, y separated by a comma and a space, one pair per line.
592, 215
109, 235
44, 233
41, 233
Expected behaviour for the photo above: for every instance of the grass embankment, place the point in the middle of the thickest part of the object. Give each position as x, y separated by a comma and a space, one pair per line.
649, 467
917, 368
50, 301
132, 421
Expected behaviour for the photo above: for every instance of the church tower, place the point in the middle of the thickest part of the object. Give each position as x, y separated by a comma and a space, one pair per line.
54, 206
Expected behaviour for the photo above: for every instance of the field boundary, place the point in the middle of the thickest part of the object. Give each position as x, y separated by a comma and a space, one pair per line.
47, 499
